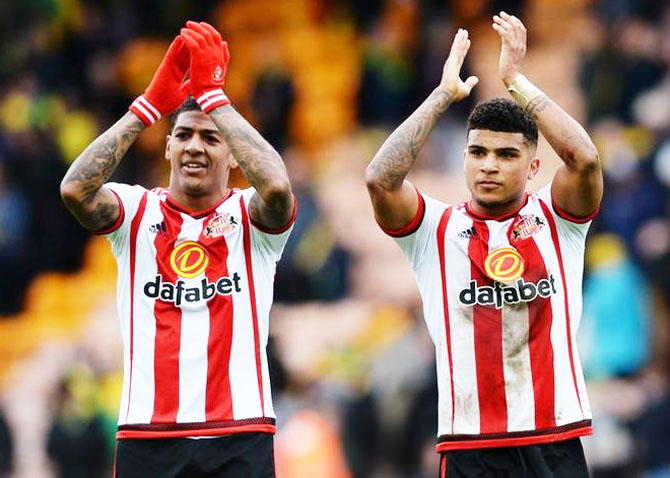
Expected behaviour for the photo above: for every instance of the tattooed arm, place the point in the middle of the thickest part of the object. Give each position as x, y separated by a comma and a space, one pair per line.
577, 187
82, 188
272, 205
393, 198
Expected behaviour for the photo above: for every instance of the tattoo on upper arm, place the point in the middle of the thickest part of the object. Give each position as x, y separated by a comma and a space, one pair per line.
103, 215
537, 105
94, 167
398, 153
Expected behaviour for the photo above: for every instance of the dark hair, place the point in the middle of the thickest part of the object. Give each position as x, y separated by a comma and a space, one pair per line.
189, 105
501, 114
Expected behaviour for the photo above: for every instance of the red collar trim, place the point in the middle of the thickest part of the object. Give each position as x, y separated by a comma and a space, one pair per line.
197, 214
485, 217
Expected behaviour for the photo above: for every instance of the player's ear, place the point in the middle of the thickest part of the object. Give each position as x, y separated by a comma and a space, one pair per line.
167, 147
534, 167
232, 162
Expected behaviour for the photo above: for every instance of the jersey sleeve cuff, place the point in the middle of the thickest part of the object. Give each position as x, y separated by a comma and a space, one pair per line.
570, 217
411, 226
117, 224
281, 229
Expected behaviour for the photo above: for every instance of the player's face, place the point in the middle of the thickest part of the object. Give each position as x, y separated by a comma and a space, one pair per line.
200, 159
498, 166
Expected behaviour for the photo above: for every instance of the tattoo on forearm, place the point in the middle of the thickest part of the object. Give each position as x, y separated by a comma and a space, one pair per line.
398, 153
258, 160
260, 164
97, 162
537, 105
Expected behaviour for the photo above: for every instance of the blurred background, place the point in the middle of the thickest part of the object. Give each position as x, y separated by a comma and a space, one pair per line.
325, 81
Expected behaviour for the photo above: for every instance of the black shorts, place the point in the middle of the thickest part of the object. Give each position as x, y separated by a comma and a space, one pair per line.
244, 455
563, 459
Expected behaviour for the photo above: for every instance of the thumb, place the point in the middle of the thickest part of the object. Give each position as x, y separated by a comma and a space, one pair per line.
186, 88
470, 83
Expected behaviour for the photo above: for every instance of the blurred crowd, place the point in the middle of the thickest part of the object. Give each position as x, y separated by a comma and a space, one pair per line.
325, 81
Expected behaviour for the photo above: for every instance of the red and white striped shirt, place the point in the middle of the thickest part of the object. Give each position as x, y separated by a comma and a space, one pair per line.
194, 294
502, 299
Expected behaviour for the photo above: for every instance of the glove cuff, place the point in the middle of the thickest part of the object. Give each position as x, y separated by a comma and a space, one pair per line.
147, 112
212, 99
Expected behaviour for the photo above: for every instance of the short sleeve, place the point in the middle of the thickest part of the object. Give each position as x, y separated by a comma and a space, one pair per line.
415, 242
570, 226
269, 241
129, 199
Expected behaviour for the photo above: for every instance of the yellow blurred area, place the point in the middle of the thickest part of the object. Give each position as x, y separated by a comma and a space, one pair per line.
605, 249
321, 59
137, 63
15, 112
58, 305
76, 130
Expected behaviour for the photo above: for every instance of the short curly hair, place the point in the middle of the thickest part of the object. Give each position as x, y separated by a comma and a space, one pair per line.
189, 105
501, 114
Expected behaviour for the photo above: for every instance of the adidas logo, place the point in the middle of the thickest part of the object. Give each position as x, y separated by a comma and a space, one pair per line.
159, 228
468, 233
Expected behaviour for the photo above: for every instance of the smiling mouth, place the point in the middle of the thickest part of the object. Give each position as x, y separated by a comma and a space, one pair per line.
193, 167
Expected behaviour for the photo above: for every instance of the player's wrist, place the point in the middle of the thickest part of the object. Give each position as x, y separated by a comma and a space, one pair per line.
211, 98
522, 90
145, 110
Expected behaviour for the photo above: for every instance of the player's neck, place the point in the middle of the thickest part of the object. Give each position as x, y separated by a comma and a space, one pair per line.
198, 203
495, 211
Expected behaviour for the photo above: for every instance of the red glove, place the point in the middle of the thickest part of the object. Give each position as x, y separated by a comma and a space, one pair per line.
164, 94
209, 61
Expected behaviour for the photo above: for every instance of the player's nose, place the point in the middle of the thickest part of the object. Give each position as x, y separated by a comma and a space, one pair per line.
194, 145
490, 163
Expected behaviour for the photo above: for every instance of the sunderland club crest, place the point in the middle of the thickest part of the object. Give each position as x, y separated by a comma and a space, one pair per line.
527, 226
219, 225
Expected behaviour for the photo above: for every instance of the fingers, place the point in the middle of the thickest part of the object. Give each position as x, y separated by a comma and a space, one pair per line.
459, 49
226, 53
182, 55
470, 83
508, 26
207, 31
192, 39
212, 31
186, 88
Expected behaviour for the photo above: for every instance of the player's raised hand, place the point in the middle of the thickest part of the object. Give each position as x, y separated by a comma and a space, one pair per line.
451, 74
513, 49
164, 95
209, 62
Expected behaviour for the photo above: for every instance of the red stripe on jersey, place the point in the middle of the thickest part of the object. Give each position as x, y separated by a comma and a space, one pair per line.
252, 299
441, 231
541, 350
208, 432
488, 342
134, 228
218, 400
536, 437
559, 255
168, 326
